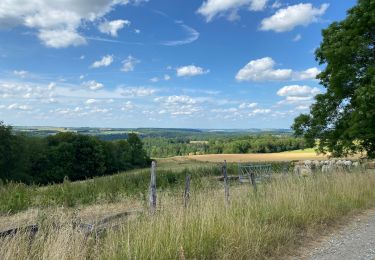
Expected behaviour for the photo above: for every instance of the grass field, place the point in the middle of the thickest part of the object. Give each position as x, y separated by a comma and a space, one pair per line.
265, 225
269, 224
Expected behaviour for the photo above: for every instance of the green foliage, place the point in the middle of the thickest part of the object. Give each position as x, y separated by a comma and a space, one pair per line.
343, 119
265, 143
48, 160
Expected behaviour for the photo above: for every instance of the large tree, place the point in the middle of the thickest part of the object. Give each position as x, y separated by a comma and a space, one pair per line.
342, 120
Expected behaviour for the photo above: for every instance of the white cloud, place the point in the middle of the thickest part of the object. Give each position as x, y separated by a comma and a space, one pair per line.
93, 85
192, 35
129, 64
190, 71
91, 101
127, 106
179, 105
58, 38
296, 94
229, 8
57, 22
112, 27
82, 57
276, 4
167, 77
297, 38
298, 91
288, 18
16, 106
154, 79
247, 105
137, 91
260, 111
21, 73
263, 70
310, 73
137, 31
104, 62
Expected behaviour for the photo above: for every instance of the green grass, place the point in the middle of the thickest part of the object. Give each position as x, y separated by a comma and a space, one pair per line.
15, 197
265, 225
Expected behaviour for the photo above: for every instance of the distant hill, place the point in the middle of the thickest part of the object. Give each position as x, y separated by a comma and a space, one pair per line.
121, 133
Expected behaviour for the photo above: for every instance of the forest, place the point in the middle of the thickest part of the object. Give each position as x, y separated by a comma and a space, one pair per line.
51, 159
255, 143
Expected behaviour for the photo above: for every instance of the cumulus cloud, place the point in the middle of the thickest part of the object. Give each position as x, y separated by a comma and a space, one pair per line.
167, 77
288, 18
92, 84
112, 27
179, 105
297, 94
104, 62
263, 70
229, 8
58, 38
129, 64
298, 91
310, 73
57, 22
190, 71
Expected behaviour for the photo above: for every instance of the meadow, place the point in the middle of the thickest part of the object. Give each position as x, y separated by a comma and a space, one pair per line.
271, 223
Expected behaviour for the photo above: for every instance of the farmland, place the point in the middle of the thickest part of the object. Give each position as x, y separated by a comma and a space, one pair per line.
109, 216
256, 157
268, 224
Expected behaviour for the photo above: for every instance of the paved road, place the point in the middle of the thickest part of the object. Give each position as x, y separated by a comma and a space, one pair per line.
356, 241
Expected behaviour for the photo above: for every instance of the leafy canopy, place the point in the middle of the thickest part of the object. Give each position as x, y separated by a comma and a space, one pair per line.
343, 118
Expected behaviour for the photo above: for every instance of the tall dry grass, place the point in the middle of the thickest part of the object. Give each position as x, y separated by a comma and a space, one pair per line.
254, 226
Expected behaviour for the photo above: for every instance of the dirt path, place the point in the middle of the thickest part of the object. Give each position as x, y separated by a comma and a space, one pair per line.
351, 242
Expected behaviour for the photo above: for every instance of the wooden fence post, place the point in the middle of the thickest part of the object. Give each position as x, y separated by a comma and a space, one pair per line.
226, 184
187, 191
153, 188
252, 178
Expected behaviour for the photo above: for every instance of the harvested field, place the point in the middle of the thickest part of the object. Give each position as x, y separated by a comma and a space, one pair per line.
259, 157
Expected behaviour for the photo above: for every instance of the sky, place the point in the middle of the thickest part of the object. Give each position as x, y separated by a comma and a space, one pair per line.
219, 64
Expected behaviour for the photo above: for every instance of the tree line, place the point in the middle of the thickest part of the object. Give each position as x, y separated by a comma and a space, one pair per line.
165, 147
77, 157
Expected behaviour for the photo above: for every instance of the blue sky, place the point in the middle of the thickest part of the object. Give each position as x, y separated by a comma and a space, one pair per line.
138, 63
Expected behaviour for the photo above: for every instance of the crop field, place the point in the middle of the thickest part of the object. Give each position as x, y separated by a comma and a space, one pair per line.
255, 157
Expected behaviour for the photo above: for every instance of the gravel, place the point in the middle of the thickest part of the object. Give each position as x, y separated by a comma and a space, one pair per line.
355, 241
